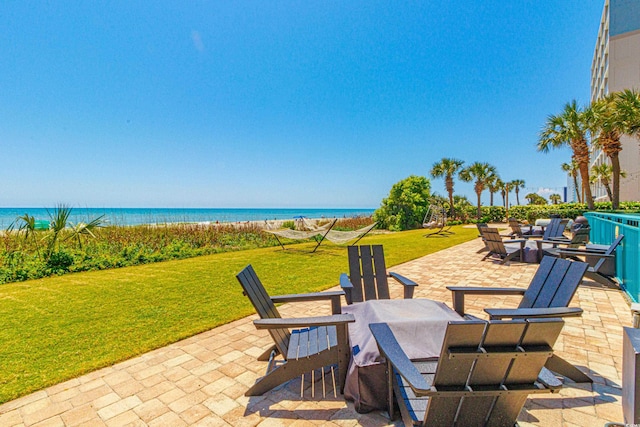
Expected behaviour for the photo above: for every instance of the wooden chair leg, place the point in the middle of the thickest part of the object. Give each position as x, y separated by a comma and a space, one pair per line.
560, 366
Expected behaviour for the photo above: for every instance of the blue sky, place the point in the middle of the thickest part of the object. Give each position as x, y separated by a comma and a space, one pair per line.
279, 104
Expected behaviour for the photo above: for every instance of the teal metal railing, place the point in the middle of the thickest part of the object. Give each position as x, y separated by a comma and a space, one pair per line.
605, 227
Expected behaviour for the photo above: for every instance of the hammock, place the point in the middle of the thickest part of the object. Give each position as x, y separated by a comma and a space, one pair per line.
340, 237
303, 234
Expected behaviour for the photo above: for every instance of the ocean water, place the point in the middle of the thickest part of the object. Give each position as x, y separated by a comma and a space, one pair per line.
137, 216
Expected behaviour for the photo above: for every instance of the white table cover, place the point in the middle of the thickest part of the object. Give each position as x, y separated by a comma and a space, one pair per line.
419, 326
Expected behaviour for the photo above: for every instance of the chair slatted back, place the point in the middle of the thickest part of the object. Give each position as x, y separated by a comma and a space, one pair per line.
482, 356
554, 283
539, 334
580, 237
493, 240
555, 228
263, 304
516, 229
453, 373
610, 250
368, 273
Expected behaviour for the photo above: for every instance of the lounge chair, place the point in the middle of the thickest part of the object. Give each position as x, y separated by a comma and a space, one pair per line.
548, 295
506, 250
322, 341
601, 260
483, 376
367, 279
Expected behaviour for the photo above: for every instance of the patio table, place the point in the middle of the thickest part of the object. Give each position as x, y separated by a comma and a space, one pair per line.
419, 326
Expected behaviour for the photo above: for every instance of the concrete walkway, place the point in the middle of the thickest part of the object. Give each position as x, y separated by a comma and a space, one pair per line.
201, 380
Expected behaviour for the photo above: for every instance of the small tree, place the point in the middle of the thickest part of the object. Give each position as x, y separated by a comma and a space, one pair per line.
555, 198
406, 205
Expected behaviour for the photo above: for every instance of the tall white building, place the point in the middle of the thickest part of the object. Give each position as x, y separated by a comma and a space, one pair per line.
615, 67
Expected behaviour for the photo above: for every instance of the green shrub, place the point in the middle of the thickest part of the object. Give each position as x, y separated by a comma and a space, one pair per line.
406, 206
59, 262
289, 224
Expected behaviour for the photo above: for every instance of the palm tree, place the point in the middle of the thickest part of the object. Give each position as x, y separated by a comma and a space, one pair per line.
555, 198
569, 128
481, 174
628, 106
609, 118
602, 174
447, 168
535, 199
572, 170
517, 184
494, 186
503, 193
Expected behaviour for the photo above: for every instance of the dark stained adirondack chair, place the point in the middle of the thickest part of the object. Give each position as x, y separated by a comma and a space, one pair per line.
321, 341
554, 230
552, 247
506, 250
601, 260
481, 225
520, 230
484, 374
367, 279
548, 295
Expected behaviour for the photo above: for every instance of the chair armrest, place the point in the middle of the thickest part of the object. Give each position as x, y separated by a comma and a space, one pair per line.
408, 284
560, 239
582, 252
521, 241
391, 350
549, 379
347, 287
297, 322
524, 313
333, 296
532, 236
458, 292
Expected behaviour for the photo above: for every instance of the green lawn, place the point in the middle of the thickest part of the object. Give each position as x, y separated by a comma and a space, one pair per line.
57, 328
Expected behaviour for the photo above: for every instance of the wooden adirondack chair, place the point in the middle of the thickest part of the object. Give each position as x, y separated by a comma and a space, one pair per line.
520, 230
367, 279
483, 376
548, 295
321, 341
552, 247
496, 245
555, 229
601, 260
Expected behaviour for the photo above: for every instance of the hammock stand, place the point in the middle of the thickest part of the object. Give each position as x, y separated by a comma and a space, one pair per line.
304, 234
437, 215
340, 237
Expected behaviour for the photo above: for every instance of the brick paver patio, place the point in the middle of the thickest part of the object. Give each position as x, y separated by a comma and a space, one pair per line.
201, 380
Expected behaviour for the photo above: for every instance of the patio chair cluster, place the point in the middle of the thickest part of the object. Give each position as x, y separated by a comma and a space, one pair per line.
480, 370
533, 246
